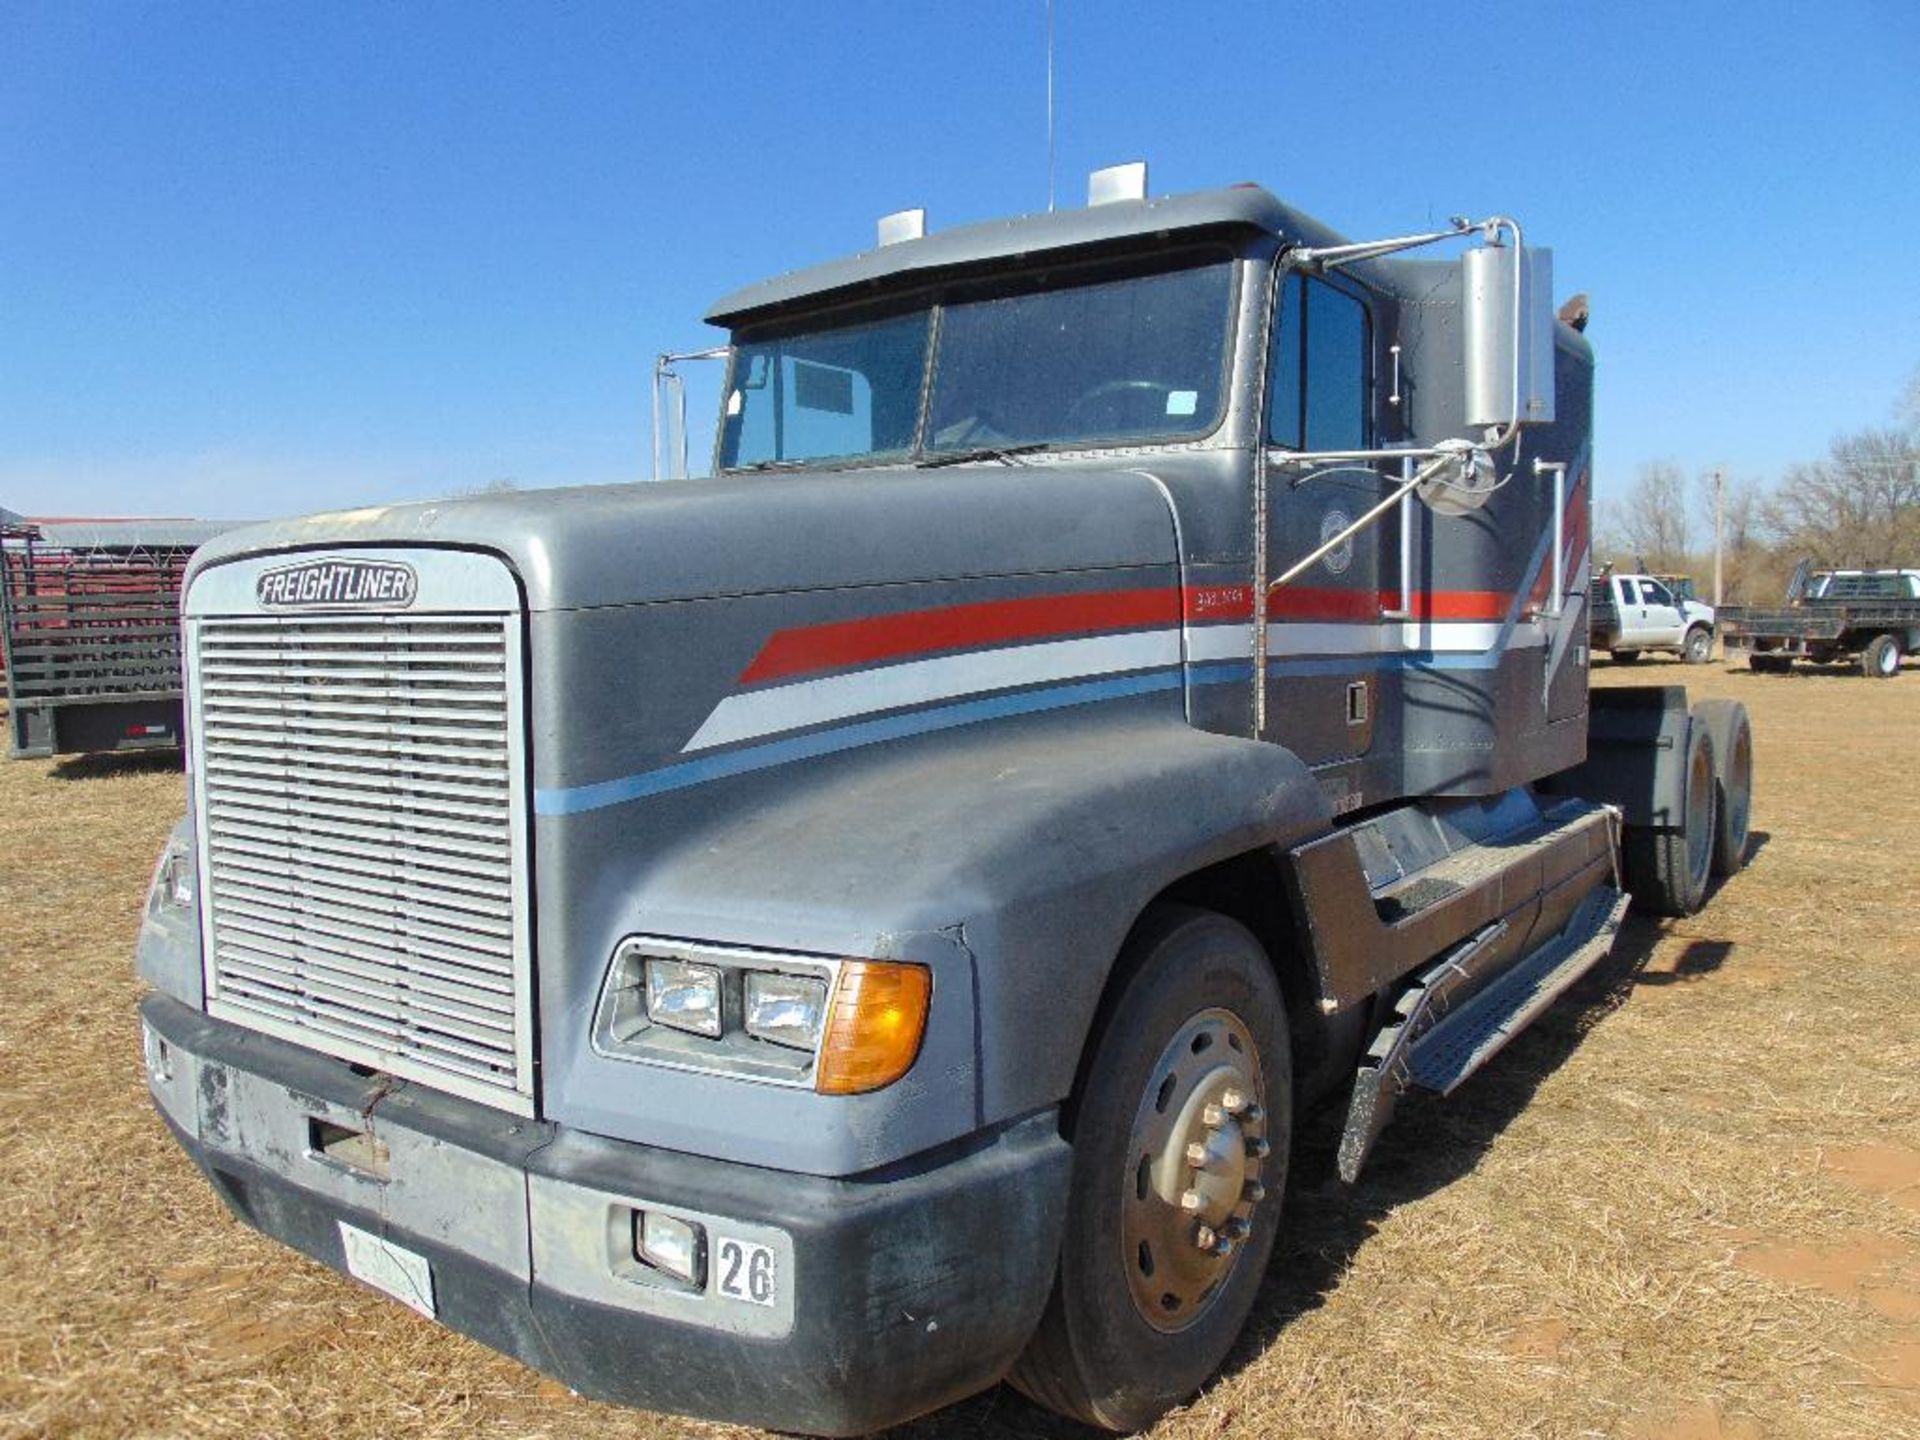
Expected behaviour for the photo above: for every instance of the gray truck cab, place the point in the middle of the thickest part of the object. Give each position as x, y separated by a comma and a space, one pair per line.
798, 946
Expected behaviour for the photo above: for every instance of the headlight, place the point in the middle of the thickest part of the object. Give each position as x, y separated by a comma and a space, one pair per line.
839, 1026
785, 1009
687, 997
172, 883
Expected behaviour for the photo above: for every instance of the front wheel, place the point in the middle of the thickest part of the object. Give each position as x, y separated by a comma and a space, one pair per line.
1180, 1128
1881, 659
1698, 647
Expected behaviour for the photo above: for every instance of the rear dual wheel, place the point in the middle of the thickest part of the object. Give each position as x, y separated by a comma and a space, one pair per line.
1732, 735
1668, 866
1180, 1129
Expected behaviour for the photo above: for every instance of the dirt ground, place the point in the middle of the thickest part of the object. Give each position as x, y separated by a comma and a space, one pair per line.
1686, 1206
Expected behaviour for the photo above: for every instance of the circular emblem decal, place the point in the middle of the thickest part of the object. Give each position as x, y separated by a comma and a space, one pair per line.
1341, 556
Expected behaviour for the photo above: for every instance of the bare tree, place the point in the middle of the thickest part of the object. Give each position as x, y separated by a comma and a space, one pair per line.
1655, 525
1609, 539
1859, 506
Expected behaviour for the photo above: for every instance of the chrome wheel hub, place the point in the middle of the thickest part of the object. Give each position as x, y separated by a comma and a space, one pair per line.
1196, 1153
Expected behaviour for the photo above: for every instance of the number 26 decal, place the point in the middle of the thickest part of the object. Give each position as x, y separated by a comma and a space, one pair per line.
744, 1271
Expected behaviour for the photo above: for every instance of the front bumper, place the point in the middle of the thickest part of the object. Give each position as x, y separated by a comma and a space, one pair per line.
892, 1294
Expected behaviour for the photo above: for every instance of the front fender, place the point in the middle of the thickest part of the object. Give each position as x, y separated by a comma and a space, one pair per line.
1028, 853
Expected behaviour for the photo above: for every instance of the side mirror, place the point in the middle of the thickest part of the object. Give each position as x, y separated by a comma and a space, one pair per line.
1506, 293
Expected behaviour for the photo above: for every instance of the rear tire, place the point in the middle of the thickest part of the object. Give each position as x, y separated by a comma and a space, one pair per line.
1668, 866
1624, 657
1697, 648
1732, 734
1143, 1309
1881, 659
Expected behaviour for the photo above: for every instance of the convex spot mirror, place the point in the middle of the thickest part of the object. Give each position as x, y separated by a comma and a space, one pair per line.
1460, 478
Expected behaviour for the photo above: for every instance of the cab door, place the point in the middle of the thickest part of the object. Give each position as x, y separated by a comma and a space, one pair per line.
1660, 621
1326, 635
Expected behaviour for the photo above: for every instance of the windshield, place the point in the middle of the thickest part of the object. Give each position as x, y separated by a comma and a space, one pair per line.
1103, 359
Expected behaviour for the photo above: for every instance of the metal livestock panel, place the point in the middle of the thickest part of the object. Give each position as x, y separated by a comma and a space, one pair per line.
360, 779
90, 631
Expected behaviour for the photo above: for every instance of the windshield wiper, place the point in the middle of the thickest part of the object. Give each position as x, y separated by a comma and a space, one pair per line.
1002, 453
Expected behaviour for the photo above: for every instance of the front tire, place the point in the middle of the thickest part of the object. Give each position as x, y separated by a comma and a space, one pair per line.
1881, 659
1697, 649
1180, 1128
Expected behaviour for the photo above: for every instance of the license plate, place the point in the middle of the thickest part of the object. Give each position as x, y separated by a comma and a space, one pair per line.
405, 1276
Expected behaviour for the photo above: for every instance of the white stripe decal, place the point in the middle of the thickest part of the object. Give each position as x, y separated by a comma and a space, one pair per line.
1235, 642
920, 682
760, 713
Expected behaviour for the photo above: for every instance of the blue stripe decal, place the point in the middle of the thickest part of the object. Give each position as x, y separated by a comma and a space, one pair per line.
577, 799
1232, 671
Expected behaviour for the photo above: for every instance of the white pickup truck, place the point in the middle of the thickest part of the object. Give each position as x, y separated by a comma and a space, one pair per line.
1631, 613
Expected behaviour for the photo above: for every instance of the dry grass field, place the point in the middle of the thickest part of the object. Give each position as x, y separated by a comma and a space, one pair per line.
1686, 1206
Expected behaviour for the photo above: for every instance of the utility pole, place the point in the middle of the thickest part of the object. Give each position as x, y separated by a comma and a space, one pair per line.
1049, 107
1719, 533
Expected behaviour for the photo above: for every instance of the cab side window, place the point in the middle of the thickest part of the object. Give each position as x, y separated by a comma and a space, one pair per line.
1318, 371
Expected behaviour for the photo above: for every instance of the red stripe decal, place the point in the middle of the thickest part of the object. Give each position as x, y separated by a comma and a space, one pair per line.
876, 639
842, 644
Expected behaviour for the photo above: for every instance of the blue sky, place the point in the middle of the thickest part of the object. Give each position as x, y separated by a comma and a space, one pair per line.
266, 259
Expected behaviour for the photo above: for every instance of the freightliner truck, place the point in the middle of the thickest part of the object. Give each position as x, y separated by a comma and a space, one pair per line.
800, 946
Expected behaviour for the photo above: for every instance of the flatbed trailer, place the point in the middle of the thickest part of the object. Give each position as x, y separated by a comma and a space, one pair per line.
1871, 616
90, 634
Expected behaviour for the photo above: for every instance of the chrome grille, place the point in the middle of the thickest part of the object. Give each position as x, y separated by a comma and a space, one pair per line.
363, 840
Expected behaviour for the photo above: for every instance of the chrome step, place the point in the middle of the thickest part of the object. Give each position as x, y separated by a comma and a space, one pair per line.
1435, 1044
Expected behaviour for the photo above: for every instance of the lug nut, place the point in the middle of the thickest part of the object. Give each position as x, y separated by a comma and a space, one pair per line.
1192, 1200
1196, 1154
1233, 1100
1252, 1115
1204, 1237
1213, 1117
1236, 1229
1223, 1247
1253, 1192
1258, 1148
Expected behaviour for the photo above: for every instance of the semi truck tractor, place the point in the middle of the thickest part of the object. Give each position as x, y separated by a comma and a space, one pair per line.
800, 946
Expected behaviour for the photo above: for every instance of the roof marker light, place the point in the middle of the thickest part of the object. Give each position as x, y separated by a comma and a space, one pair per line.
903, 225
1118, 182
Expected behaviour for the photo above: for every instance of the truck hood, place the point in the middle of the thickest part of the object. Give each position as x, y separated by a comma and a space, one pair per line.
697, 539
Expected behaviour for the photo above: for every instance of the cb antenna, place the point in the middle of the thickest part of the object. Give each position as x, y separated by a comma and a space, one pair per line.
1049, 107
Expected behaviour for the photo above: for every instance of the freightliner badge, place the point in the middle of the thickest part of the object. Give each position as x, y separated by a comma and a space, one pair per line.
353, 583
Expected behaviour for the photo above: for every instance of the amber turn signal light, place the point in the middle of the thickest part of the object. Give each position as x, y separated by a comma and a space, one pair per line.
874, 1028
